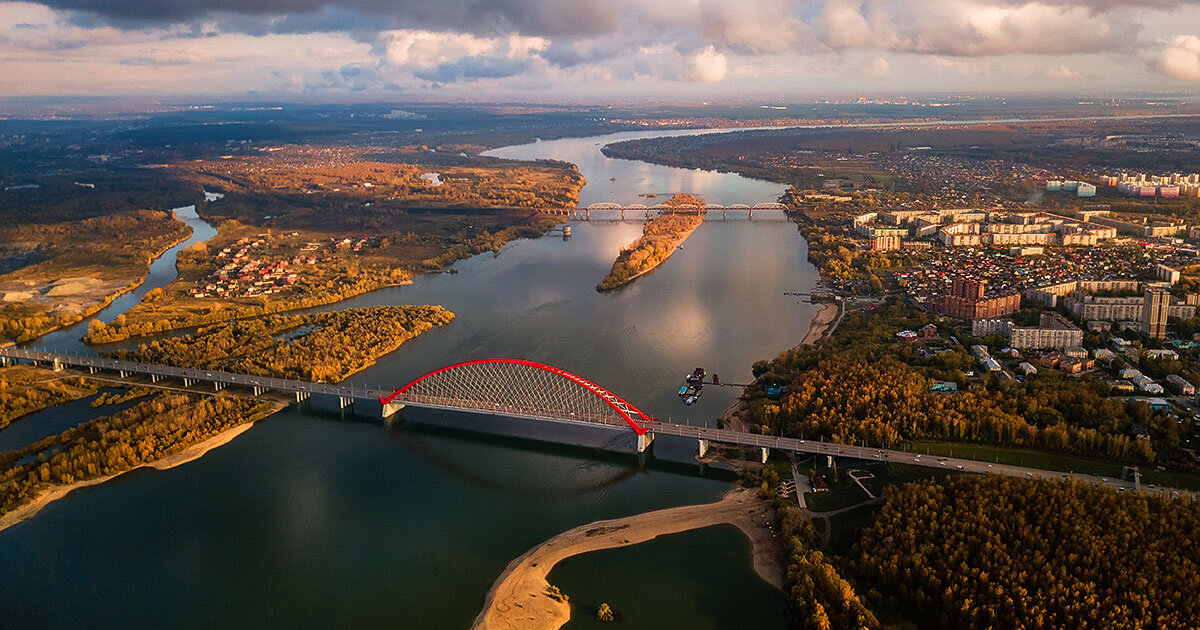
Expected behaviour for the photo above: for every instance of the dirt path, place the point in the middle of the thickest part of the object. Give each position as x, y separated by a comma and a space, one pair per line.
519, 598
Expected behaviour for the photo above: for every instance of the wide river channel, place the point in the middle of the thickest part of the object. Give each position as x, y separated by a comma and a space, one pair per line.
319, 519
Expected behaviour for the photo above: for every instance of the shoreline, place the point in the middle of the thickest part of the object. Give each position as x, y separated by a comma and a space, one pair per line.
674, 248
820, 324
191, 453
519, 597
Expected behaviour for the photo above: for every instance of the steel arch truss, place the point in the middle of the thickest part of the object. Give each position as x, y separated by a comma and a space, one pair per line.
516, 387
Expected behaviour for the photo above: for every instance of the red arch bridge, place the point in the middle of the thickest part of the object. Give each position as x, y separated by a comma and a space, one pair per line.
514, 388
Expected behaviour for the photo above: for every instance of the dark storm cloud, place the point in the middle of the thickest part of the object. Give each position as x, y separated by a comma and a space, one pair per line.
473, 68
531, 17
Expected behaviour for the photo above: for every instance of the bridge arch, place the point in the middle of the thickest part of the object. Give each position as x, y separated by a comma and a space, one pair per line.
520, 388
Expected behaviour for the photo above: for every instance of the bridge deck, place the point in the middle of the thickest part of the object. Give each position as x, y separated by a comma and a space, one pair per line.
724, 436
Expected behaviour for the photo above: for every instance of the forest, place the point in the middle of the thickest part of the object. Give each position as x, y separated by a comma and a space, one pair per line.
997, 552
861, 386
337, 283
818, 597
148, 431
660, 236
323, 347
25, 389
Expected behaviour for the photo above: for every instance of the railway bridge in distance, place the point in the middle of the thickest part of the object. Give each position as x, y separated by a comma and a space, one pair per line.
642, 211
522, 389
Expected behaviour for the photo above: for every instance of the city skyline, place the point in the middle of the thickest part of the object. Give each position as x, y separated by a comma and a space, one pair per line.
344, 50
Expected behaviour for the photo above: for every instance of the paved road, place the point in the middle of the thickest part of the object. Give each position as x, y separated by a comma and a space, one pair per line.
726, 436
885, 455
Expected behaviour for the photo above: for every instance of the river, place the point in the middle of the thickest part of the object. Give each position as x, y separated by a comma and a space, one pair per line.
316, 519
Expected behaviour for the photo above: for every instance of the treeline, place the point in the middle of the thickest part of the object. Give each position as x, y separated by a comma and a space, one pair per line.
313, 347
116, 249
883, 402
818, 597
862, 386
996, 552
487, 242
146, 432
148, 319
837, 259
24, 390
660, 236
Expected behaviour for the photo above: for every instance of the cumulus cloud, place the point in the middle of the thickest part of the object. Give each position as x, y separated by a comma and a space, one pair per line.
875, 69
1181, 58
707, 66
421, 42
1061, 72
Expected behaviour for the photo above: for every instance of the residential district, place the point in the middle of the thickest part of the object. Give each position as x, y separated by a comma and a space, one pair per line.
1086, 291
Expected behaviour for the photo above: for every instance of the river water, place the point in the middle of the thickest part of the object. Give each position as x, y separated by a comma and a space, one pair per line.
316, 519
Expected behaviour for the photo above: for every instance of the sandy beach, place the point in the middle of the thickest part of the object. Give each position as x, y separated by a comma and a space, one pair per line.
519, 598
191, 453
820, 323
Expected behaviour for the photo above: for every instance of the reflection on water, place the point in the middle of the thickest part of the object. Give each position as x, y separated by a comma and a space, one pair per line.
622, 181
310, 520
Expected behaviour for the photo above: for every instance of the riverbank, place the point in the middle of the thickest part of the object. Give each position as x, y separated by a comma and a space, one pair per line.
191, 453
520, 596
820, 323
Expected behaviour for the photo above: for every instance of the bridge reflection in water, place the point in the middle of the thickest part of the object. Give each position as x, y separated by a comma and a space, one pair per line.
516, 388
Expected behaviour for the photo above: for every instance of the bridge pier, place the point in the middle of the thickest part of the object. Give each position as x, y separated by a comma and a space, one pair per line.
259, 390
5, 361
703, 448
56, 366
766, 452
391, 409
218, 386
644, 441
187, 382
302, 396
345, 401
154, 378
122, 373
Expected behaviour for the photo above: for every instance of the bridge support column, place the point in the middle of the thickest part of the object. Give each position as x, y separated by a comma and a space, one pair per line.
829, 461
57, 366
218, 386
301, 396
123, 373
187, 382
92, 370
703, 448
644, 441
259, 390
766, 452
154, 378
345, 401
4, 361
391, 409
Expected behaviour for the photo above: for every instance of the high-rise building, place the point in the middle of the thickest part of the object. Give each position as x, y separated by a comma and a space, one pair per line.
1156, 306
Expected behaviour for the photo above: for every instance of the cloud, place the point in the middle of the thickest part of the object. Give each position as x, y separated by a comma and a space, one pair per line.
707, 66
1181, 58
1061, 72
875, 69
472, 69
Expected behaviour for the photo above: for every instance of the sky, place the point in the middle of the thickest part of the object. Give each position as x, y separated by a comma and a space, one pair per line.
551, 50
